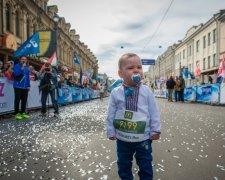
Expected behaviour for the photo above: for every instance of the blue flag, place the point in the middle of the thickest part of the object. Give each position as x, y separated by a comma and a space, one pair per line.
89, 76
185, 73
191, 75
76, 59
30, 46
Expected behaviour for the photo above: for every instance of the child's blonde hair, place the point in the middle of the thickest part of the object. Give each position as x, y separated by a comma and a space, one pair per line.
125, 56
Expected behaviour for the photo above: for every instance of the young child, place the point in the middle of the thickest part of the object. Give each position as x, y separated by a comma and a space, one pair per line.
133, 119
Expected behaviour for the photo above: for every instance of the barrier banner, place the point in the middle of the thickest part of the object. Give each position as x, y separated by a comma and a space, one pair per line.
96, 94
160, 93
65, 95
208, 93
76, 94
190, 93
6, 95
34, 96
222, 93
85, 95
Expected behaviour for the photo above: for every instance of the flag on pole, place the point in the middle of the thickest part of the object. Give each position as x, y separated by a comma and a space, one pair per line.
185, 73
77, 61
30, 46
197, 70
52, 60
221, 71
191, 75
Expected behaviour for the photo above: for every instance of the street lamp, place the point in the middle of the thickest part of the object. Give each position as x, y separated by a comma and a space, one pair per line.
56, 20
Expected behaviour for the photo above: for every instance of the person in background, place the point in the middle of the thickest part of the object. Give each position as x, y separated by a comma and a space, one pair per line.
33, 73
101, 91
170, 86
177, 89
133, 119
182, 86
1, 69
62, 82
21, 86
9, 70
48, 85
210, 80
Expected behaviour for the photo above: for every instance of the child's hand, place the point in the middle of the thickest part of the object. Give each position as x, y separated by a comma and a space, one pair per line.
155, 137
112, 138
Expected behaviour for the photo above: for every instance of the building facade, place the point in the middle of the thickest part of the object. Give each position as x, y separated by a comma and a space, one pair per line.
203, 44
22, 18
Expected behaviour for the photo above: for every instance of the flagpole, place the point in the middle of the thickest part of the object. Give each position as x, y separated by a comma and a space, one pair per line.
56, 20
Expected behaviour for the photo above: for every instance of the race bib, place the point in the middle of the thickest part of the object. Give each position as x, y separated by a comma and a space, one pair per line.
130, 126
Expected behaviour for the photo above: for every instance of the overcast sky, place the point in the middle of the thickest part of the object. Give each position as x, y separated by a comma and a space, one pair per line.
106, 25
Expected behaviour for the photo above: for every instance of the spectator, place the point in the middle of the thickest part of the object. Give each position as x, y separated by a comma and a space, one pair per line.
210, 80
182, 86
177, 89
33, 73
1, 69
101, 91
21, 86
170, 86
9, 70
48, 85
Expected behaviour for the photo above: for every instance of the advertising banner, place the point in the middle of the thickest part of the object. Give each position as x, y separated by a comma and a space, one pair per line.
208, 93
222, 93
6, 95
76, 94
190, 93
65, 95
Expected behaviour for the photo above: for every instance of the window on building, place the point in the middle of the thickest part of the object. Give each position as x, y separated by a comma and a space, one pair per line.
209, 59
214, 60
214, 36
204, 64
209, 39
184, 54
189, 50
28, 28
8, 17
204, 42
197, 46
17, 23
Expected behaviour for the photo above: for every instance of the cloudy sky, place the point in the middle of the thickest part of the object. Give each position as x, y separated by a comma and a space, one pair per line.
139, 26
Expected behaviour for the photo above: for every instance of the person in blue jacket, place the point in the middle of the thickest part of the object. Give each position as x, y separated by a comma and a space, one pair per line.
21, 86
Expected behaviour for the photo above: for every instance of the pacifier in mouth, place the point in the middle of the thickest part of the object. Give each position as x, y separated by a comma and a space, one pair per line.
136, 78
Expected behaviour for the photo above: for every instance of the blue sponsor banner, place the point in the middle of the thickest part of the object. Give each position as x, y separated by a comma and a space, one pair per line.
76, 94
85, 95
190, 93
65, 95
148, 61
208, 93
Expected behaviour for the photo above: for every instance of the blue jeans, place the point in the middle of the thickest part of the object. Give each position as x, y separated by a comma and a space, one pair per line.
143, 156
44, 96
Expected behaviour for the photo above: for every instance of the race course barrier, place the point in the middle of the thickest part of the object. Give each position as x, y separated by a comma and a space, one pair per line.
66, 95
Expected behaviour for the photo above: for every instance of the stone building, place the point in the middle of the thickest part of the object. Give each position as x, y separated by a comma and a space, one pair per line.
203, 44
21, 18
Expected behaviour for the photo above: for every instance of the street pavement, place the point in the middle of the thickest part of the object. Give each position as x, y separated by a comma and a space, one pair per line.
192, 144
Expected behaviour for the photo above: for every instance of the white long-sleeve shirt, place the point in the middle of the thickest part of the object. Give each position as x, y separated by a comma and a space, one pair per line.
146, 104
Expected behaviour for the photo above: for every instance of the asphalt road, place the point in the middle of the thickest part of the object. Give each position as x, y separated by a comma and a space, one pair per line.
192, 145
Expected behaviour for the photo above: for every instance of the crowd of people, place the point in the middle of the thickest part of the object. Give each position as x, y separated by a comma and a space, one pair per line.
177, 87
50, 80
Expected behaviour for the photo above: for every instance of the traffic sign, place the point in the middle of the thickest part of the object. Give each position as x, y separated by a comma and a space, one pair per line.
148, 61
